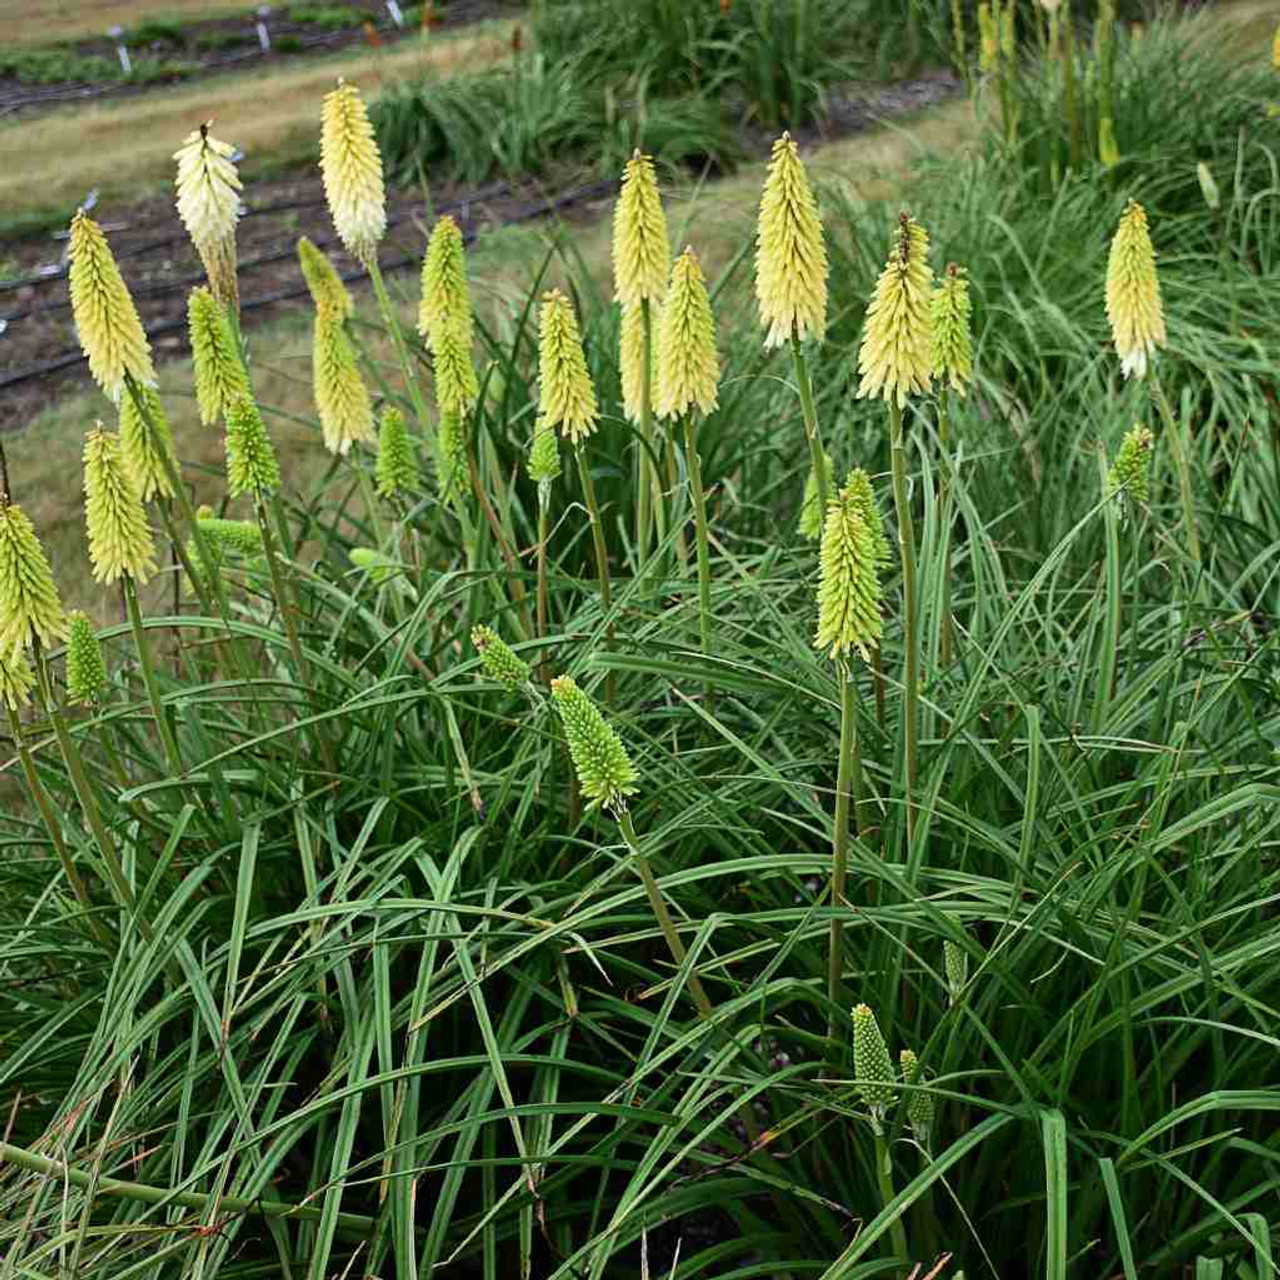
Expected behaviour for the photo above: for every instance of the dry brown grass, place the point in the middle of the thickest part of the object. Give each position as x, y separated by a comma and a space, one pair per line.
45, 21
124, 145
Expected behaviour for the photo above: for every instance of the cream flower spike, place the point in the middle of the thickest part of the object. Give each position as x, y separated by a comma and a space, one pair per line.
688, 368
120, 540
566, 397
208, 202
791, 261
896, 357
641, 252
631, 357
107, 321
1133, 293
352, 170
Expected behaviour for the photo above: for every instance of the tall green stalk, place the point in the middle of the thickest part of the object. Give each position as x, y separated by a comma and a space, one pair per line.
163, 727
543, 602
848, 795
649, 504
944, 518
810, 421
597, 538
694, 463
884, 1180
392, 322
1173, 433
910, 613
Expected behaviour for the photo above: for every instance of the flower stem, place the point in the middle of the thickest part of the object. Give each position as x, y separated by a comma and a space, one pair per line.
1174, 434
597, 538
163, 727
543, 601
41, 798
884, 1178
649, 486
397, 336
848, 787
660, 911
694, 463
944, 517
810, 421
910, 610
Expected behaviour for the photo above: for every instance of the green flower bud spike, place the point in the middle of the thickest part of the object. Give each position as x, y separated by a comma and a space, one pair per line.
17, 679
452, 471
1134, 308
791, 260
107, 321
952, 339
342, 401
251, 461
544, 455
86, 671
955, 965
29, 606
1129, 471
688, 368
322, 279
849, 581
244, 537
397, 469
380, 568
920, 1111
145, 447
219, 375
605, 772
872, 1065
500, 661
120, 542
896, 356
810, 524
641, 253
859, 485
567, 398
445, 318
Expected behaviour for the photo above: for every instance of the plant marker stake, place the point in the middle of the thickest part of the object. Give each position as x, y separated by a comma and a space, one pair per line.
264, 36
397, 15
117, 34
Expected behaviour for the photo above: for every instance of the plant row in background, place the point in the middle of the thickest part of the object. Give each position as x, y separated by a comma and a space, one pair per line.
805, 786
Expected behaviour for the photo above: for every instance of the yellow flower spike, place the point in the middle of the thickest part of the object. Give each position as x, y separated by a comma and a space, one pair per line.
219, 374
107, 321
791, 260
446, 296
863, 496
452, 472
119, 538
631, 357
950, 310
208, 188
323, 280
567, 399
145, 446
688, 368
252, 467
352, 170
849, 581
17, 679
342, 401
896, 357
1133, 293
641, 253
397, 469
29, 605
457, 387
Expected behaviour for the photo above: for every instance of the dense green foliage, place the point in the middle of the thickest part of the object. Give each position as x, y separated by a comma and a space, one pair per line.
381, 963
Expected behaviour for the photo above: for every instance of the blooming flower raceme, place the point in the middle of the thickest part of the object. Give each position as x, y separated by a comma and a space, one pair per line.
791, 260
352, 172
641, 253
567, 399
950, 310
1133, 293
849, 581
29, 606
688, 367
106, 320
860, 491
17, 679
896, 356
219, 374
323, 280
252, 467
146, 443
208, 189
342, 400
445, 318
120, 542
631, 357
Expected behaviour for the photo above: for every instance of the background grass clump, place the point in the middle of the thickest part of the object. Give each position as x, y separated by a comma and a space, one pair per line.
386, 993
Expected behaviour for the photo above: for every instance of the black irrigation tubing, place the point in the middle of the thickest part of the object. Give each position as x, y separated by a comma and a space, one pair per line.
73, 357
161, 287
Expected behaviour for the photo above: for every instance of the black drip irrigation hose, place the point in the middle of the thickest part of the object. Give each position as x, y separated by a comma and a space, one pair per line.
70, 358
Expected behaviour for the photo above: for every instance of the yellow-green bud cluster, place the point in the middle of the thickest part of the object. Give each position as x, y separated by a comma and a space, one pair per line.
567, 399
849, 580
859, 485
342, 400
920, 1109
323, 280
243, 537
452, 471
120, 542
544, 454
810, 524
896, 356
1134, 308
1129, 471
29, 606
252, 467
500, 661
605, 772
17, 679
397, 469
955, 965
872, 1064
445, 319
951, 309
147, 441
219, 374
380, 568
688, 367
106, 319
791, 260
86, 670
641, 253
